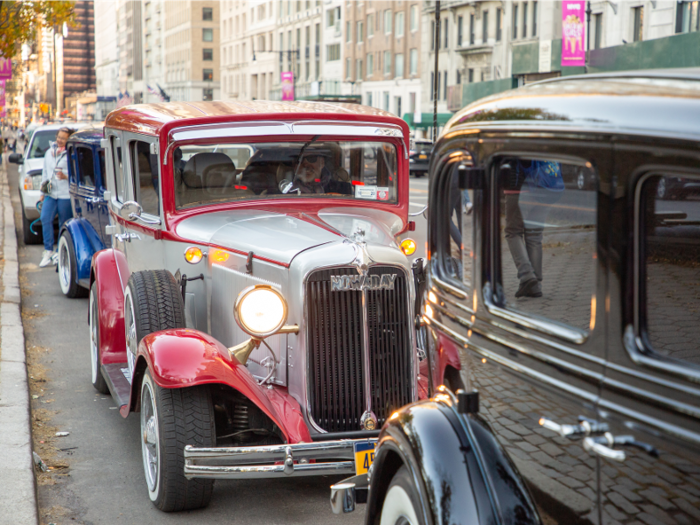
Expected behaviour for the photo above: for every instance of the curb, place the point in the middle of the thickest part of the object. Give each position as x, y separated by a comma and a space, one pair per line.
18, 503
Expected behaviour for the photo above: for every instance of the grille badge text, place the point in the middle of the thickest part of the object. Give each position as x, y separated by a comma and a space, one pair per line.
345, 283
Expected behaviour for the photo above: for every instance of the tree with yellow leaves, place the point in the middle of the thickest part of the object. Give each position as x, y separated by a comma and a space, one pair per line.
19, 21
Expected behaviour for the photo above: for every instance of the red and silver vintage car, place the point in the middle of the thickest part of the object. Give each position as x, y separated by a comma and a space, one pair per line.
256, 305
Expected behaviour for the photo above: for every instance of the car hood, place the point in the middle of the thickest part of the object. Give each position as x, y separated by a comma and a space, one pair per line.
33, 164
281, 236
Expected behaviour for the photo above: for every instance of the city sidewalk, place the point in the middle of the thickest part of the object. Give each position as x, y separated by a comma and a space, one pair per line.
17, 486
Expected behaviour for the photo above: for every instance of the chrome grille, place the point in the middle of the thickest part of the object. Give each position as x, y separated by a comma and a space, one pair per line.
335, 329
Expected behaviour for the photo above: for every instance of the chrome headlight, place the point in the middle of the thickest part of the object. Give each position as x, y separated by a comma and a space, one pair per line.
260, 310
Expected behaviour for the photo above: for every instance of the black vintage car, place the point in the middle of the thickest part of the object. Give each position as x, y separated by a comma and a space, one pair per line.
575, 312
419, 157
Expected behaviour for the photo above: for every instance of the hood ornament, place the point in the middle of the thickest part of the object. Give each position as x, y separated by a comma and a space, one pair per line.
363, 281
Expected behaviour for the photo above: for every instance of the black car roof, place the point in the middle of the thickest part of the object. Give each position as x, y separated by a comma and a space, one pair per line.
654, 102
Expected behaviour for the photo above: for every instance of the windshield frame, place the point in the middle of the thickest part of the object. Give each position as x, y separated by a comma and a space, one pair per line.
291, 201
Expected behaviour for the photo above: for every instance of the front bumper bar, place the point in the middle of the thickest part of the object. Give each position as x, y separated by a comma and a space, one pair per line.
271, 461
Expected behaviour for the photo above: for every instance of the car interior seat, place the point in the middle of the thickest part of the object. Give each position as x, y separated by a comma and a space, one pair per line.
193, 186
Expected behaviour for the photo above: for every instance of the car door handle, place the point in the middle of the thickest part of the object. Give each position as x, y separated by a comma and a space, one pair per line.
599, 446
127, 236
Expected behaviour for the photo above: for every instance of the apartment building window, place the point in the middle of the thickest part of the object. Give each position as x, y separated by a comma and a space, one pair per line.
499, 24
348, 32
638, 28
432, 36
333, 16
472, 30
281, 53
370, 26
460, 23
369, 98
515, 22
387, 63
413, 62
347, 69
207, 95
207, 14
688, 17
387, 22
412, 102
459, 77
370, 64
399, 25
470, 75
534, 18
414, 18
207, 54
386, 100
444, 86
432, 86
317, 51
445, 23
307, 52
439, 84
208, 75
397, 105
398, 65
485, 27
297, 56
208, 34
360, 32
524, 19
358, 73
598, 30
332, 52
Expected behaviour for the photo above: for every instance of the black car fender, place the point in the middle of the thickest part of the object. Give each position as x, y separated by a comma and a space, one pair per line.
422, 437
462, 474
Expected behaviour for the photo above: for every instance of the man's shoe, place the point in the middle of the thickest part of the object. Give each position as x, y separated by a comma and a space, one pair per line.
529, 289
46, 258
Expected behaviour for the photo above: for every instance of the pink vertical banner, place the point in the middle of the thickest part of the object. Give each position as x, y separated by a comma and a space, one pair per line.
573, 33
3, 114
287, 85
5, 68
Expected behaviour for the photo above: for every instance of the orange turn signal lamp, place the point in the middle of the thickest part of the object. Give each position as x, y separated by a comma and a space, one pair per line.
408, 246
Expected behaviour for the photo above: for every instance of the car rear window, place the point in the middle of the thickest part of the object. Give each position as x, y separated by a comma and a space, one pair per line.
670, 258
319, 169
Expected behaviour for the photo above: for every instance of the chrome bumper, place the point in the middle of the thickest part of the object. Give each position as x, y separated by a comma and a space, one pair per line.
271, 461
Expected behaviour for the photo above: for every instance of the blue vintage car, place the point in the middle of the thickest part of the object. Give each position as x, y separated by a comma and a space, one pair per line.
84, 234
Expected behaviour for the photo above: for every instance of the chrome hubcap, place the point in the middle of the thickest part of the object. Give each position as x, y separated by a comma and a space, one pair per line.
149, 432
64, 266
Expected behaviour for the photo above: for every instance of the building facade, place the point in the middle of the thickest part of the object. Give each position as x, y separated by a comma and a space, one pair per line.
382, 54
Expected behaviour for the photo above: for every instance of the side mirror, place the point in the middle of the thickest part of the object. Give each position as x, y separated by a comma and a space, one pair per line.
130, 210
471, 178
16, 158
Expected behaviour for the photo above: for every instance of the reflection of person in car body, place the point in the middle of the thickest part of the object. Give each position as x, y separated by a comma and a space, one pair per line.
314, 177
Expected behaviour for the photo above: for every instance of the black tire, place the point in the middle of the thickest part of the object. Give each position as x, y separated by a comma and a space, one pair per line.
178, 417
170, 419
28, 236
98, 381
401, 505
68, 268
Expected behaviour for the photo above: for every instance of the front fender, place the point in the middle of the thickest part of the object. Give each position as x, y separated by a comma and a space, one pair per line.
86, 242
183, 357
462, 477
111, 273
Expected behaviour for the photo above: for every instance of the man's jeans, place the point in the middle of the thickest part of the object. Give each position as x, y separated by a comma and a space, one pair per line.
524, 228
48, 211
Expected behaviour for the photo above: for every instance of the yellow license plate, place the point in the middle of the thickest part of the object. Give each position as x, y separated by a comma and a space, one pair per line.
422, 157
364, 456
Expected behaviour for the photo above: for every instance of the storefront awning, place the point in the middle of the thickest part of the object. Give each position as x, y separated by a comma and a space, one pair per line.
426, 120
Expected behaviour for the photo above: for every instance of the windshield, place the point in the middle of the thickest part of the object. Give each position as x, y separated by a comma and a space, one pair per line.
342, 170
41, 143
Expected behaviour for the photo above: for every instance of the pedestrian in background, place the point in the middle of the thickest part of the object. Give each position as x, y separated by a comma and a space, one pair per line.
55, 195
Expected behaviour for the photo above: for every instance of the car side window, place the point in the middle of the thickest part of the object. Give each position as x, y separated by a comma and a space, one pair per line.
86, 167
455, 248
118, 163
145, 176
670, 261
547, 229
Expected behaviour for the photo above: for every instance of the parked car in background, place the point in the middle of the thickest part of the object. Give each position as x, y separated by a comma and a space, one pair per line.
256, 304
419, 157
83, 235
31, 163
574, 313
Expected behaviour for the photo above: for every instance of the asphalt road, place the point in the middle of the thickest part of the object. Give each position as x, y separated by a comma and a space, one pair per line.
103, 482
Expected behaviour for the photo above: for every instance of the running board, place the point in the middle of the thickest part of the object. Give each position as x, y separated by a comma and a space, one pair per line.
115, 376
